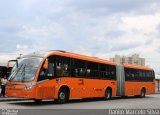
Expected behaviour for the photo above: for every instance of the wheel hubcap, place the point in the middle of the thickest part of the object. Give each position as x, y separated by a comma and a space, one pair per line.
62, 95
142, 93
108, 94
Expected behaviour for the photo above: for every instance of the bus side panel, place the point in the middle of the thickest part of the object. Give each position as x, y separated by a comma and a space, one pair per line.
75, 85
87, 88
96, 88
151, 87
46, 90
134, 88
129, 88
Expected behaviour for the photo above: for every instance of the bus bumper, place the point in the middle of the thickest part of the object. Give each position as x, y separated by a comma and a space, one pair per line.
20, 93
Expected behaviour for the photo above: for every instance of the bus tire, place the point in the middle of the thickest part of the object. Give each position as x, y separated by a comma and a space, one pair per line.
108, 94
143, 93
62, 96
38, 100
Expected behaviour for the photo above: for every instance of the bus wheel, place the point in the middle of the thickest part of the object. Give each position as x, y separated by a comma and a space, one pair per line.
62, 96
143, 93
108, 94
38, 100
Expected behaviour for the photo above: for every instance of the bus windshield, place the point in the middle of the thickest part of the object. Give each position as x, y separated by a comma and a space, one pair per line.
26, 70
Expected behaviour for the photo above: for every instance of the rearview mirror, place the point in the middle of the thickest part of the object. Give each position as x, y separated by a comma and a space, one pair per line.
8, 63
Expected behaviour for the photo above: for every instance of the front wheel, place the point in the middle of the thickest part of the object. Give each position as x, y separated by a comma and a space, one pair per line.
108, 94
62, 96
143, 93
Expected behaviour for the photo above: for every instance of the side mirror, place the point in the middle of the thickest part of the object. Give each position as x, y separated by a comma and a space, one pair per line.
45, 66
8, 63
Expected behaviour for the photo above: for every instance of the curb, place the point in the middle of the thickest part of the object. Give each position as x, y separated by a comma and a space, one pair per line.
12, 99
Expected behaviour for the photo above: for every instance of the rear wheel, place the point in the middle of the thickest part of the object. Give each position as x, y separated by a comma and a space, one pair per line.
108, 94
143, 93
62, 96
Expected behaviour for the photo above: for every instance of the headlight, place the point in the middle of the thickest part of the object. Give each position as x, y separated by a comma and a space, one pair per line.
29, 86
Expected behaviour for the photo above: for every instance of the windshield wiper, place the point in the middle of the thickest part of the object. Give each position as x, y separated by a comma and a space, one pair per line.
23, 72
13, 76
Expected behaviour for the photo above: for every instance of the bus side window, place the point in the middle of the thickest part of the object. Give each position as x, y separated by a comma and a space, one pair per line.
63, 66
127, 74
47, 70
113, 72
51, 72
43, 71
137, 75
152, 76
102, 71
58, 69
107, 73
93, 71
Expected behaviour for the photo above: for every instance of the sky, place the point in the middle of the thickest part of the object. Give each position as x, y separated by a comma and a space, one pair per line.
99, 28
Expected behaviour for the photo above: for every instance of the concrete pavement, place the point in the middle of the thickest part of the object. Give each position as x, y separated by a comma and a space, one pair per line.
81, 107
151, 101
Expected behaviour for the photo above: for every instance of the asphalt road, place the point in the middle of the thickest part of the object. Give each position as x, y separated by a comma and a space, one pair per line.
92, 106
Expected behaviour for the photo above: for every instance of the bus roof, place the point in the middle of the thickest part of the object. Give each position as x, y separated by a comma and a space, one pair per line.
83, 57
137, 67
44, 54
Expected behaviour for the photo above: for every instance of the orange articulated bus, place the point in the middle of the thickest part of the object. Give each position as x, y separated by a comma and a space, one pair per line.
61, 76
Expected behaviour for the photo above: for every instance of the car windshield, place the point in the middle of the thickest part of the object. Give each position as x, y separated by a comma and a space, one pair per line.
26, 70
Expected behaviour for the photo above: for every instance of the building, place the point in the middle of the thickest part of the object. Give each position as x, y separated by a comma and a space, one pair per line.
134, 59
